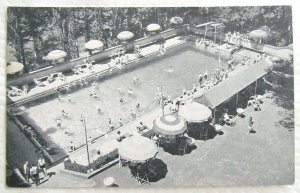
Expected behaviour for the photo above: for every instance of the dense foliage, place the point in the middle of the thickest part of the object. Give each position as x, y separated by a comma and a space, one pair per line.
34, 32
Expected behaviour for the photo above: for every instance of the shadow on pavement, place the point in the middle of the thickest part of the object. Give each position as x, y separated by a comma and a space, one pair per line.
155, 170
199, 133
177, 148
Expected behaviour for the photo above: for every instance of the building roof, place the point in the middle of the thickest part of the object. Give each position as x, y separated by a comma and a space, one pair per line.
226, 89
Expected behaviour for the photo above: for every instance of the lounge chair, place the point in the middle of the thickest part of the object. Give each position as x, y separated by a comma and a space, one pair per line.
182, 147
142, 178
39, 83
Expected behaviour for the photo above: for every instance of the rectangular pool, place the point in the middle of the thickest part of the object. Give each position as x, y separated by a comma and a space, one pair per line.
175, 70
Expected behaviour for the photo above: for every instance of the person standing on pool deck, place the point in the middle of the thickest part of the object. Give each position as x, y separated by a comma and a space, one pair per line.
200, 77
250, 126
26, 170
194, 88
184, 91
120, 122
42, 165
109, 120
69, 98
34, 174
178, 104
205, 74
135, 79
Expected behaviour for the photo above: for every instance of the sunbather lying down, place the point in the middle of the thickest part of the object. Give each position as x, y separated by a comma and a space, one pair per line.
39, 83
15, 91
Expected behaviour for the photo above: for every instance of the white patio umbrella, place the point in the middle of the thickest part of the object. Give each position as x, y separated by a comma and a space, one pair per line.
169, 125
93, 44
176, 20
137, 149
261, 34
195, 112
56, 54
153, 27
14, 67
125, 35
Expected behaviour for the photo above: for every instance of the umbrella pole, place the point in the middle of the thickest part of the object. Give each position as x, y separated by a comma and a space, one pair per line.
205, 32
237, 100
255, 86
120, 162
86, 141
215, 35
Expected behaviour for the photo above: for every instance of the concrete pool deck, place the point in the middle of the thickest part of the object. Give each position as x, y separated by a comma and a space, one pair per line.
233, 158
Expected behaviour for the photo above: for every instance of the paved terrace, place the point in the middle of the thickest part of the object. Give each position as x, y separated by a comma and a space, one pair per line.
234, 158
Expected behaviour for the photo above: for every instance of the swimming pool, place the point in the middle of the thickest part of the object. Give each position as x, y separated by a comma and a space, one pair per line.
175, 70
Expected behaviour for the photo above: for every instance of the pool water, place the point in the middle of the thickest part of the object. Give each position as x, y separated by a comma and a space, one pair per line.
177, 69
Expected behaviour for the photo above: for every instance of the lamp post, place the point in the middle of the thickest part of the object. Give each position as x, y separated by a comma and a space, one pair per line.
86, 140
205, 32
161, 95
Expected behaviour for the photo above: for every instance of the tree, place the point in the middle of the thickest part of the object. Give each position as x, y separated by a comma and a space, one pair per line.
16, 34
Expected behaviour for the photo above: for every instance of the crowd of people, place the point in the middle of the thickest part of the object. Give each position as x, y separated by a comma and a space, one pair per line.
15, 91
237, 38
119, 58
32, 171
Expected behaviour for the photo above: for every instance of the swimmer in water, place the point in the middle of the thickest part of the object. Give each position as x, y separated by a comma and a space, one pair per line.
130, 92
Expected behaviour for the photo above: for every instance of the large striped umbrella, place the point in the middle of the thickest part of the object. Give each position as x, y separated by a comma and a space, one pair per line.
14, 67
137, 149
125, 35
176, 20
93, 44
56, 54
169, 125
153, 27
195, 112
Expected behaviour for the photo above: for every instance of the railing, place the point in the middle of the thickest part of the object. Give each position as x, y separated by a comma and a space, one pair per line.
21, 126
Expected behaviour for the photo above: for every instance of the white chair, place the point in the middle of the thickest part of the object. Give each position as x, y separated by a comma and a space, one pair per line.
228, 119
182, 147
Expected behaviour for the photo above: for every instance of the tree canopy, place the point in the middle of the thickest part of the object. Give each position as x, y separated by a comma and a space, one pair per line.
34, 32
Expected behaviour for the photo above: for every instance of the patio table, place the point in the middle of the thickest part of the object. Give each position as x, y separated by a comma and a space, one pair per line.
218, 127
240, 111
108, 181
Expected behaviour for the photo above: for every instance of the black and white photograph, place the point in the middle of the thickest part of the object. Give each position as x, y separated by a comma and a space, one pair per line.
149, 97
